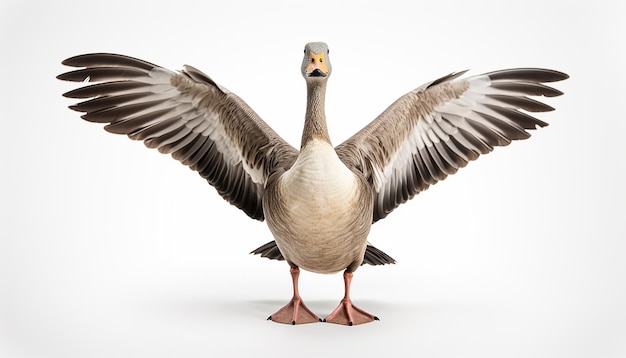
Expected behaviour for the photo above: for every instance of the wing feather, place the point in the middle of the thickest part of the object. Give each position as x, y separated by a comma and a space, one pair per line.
436, 129
185, 114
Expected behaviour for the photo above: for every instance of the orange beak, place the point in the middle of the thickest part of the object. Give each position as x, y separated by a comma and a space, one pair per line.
317, 65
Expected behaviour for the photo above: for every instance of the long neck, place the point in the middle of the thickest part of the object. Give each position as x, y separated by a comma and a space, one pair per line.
315, 118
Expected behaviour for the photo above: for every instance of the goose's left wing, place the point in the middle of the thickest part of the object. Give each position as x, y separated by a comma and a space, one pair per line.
432, 131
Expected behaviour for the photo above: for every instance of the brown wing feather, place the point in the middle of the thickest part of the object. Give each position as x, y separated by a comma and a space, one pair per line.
434, 130
187, 115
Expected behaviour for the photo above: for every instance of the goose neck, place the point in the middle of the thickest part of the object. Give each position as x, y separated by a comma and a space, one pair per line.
315, 118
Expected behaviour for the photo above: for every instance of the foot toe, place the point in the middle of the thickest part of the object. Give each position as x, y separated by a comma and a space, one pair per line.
295, 312
348, 314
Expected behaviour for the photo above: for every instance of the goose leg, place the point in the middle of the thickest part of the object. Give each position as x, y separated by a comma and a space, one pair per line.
347, 313
294, 312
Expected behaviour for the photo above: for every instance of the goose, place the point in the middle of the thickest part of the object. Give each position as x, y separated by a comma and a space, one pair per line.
319, 201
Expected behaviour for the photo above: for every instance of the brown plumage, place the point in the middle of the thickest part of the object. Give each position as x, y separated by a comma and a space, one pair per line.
319, 201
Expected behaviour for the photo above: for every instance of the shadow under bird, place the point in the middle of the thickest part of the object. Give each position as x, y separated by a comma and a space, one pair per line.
320, 201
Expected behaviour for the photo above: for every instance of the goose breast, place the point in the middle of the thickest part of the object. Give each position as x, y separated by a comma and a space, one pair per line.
320, 212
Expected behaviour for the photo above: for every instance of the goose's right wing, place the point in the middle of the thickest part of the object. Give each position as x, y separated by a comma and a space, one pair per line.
187, 114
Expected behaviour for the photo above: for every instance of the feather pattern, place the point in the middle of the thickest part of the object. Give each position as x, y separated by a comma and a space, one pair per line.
185, 114
436, 129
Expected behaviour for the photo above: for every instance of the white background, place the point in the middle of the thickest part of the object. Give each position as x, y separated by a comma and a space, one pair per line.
108, 249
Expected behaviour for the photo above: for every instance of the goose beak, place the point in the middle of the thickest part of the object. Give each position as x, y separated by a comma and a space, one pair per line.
317, 65
316, 73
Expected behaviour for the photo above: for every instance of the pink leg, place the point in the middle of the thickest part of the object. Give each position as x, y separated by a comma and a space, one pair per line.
346, 312
294, 312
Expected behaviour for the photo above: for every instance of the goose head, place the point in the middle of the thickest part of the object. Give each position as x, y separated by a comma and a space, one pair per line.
316, 64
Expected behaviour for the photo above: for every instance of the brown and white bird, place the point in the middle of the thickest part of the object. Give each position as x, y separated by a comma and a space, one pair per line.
320, 201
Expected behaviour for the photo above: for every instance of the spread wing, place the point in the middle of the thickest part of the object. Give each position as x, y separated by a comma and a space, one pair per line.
432, 131
185, 114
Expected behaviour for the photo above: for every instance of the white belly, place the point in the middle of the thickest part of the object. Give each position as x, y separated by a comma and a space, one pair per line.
321, 225
319, 182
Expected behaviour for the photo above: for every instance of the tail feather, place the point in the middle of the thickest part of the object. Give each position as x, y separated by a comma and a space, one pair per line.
373, 256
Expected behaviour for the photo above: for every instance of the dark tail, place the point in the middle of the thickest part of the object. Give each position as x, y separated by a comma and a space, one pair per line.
373, 256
